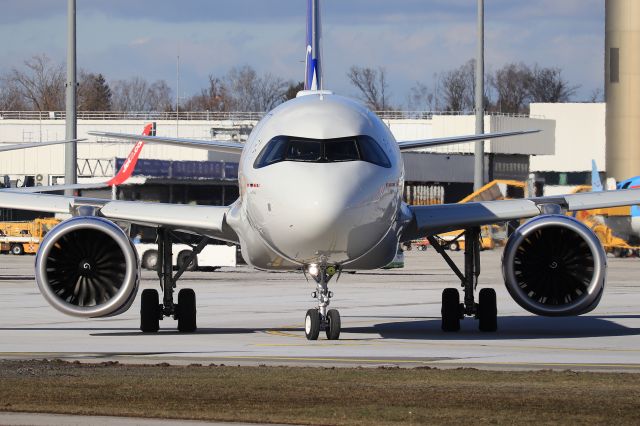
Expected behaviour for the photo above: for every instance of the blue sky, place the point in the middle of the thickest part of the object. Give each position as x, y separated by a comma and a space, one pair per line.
411, 39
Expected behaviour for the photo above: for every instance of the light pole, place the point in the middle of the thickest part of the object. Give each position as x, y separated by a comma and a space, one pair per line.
71, 149
478, 171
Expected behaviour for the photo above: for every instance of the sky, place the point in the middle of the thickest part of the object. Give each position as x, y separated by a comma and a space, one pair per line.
411, 39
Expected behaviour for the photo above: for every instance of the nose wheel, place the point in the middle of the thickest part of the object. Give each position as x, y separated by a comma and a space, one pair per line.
318, 319
314, 322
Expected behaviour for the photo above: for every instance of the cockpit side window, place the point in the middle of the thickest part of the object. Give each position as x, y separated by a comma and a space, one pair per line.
276, 152
371, 152
357, 148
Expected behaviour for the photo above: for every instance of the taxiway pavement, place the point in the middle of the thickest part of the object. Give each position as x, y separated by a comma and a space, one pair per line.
248, 317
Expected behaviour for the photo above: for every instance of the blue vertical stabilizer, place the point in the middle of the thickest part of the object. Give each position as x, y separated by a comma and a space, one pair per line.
596, 183
313, 74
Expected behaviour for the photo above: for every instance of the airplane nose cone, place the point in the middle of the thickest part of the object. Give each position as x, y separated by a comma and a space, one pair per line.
332, 212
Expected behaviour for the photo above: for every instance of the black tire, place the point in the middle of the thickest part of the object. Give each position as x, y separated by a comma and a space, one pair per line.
186, 311
312, 324
149, 311
17, 249
182, 258
333, 324
150, 260
421, 248
454, 246
450, 309
487, 310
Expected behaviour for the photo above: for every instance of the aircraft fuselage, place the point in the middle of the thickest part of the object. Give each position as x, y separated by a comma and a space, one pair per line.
327, 205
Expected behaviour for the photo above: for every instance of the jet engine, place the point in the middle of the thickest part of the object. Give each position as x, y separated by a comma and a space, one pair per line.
554, 265
87, 267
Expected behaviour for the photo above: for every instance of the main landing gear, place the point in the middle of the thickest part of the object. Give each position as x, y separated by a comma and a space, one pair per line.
151, 310
318, 319
485, 310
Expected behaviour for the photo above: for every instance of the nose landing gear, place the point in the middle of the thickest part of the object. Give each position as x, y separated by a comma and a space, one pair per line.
318, 319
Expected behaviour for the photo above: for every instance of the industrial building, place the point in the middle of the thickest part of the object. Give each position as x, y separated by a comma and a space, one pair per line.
182, 175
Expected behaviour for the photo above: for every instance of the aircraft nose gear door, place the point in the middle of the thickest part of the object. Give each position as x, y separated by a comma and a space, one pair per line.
320, 318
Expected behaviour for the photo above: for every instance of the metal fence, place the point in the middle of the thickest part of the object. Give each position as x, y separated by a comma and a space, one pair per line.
212, 115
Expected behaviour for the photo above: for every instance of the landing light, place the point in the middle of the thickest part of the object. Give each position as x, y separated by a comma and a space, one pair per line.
313, 270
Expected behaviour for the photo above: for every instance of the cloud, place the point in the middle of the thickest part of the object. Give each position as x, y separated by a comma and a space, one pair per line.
412, 39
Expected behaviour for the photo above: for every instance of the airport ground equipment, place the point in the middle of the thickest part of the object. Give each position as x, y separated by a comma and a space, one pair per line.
499, 189
212, 256
604, 223
24, 237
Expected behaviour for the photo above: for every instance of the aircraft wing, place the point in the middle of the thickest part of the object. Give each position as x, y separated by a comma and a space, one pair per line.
435, 219
17, 146
425, 143
209, 145
51, 188
206, 220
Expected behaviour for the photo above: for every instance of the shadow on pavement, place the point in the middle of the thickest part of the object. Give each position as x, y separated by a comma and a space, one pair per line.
509, 327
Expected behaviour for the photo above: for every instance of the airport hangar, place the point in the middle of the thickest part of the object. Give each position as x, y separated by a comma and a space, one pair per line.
559, 156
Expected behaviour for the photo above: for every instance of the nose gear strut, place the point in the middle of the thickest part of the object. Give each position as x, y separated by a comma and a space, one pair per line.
318, 319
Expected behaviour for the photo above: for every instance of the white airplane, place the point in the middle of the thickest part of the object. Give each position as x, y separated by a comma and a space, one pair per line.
321, 181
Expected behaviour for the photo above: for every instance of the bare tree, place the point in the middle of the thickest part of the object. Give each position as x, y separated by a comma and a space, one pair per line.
547, 85
94, 94
251, 92
11, 98
456, 89
270, 92
41, 84
293, 89
512, 84
595, 95
372, 86
213, 98
420, 98
159, 96
136, 94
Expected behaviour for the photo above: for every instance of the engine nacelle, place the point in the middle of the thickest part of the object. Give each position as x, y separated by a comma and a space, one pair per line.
554, 265
87, 267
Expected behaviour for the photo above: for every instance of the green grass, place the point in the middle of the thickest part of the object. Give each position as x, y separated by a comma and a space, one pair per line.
350, 396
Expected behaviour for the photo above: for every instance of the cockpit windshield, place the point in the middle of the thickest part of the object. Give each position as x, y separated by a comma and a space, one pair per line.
289, 148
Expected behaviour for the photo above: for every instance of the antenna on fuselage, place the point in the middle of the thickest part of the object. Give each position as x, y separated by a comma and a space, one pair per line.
313, 71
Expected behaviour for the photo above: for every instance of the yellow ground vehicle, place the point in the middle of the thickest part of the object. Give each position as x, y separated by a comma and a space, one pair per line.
457, 243
24, 236
597, 220
491, 235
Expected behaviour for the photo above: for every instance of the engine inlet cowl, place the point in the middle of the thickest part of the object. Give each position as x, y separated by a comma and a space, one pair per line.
554, 265
87, 267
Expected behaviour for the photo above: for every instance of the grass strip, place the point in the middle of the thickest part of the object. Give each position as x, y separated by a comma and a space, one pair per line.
328, 396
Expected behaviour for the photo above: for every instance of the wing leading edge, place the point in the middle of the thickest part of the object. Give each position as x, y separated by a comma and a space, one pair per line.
207, 220
435, 219
209, 145
425, 143
19, 146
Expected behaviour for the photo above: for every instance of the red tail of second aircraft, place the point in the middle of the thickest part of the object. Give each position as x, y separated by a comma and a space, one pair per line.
130, 163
